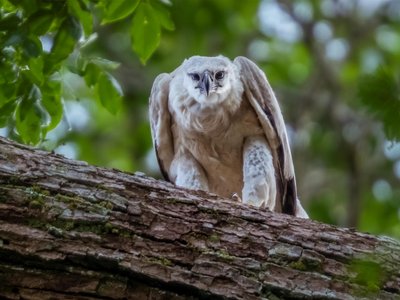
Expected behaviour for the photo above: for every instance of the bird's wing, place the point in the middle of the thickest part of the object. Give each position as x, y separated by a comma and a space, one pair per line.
259, 93
160, 122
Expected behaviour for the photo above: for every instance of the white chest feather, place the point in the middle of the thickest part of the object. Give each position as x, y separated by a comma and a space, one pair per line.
215, 137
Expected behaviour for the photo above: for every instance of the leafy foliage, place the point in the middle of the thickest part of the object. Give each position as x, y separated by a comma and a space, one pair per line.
380, 93
146, 31
42, 40
115, 10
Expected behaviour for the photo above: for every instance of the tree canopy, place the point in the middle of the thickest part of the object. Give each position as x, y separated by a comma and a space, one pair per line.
75, 77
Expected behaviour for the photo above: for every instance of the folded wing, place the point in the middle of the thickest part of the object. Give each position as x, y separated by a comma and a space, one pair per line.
259, 93
160, 122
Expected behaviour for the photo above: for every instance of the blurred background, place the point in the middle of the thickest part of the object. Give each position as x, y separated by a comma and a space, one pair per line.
333, 64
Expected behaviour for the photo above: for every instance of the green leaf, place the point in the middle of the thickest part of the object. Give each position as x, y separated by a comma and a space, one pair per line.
36, 70
40, 22
29, 6
163, 15
29, 117
92, 74
32, 46
8, 71
104, 64
146, 32
9, 22
6, 5
6, 112
76, 63
90, 67
52, 103
79, 9
109, 93
6, 94
23, 85
65, 40
118, 9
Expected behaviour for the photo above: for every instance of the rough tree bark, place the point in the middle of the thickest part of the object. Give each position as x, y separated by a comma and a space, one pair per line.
69, 230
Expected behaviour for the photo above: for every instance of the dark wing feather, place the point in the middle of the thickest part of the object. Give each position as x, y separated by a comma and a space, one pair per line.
160, 121
259, 93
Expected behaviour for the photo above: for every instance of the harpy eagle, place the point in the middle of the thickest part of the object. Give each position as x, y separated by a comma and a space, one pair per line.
217, 126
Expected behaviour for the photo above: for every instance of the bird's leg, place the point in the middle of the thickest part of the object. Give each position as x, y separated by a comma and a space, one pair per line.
259, 183
187, 172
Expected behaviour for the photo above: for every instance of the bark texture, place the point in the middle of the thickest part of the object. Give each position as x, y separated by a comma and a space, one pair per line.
69, 230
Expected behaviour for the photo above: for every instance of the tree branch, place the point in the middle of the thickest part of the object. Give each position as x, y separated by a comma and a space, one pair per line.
69, 230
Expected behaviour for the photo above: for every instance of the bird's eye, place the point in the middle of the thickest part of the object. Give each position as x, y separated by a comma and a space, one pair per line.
219, 75
194, 76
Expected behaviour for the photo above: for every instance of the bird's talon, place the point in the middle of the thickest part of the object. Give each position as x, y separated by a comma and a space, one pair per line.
235, 197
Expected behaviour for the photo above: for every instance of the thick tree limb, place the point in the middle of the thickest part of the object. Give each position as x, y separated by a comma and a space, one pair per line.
69, 230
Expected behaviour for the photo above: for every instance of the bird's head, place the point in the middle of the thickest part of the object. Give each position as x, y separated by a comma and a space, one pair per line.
210, 80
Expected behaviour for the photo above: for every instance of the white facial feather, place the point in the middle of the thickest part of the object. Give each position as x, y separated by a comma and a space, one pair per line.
196, 110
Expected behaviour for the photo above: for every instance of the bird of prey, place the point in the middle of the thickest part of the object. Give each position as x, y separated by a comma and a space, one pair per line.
217, 126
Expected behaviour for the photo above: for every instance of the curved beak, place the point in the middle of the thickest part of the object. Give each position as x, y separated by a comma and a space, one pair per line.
205, 82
